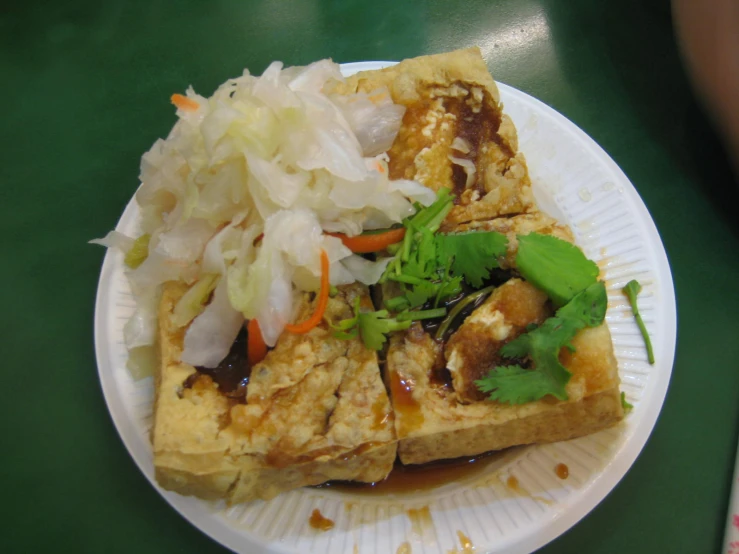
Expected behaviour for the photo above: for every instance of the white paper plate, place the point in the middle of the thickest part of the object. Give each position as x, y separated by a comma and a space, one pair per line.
574, 180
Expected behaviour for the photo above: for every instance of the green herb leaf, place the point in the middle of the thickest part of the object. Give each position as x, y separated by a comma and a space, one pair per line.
430, 268
554, 266
421, 293
397, 303
347, 328
346, 324
632, 290
473, 254
421, 260
450, 287
516, 385
371, 326
375, 326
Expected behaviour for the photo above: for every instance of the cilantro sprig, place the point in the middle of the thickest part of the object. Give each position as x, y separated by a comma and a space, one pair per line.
632, 290
372, 326
472, 254
516, 385
430, 266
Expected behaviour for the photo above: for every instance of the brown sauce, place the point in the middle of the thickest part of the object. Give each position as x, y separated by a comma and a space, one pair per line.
496, 278
319, 522
423, 477
404, 548
459, 181
439, 375
465, 542
421, 521
476, 129
512, 483
232, 374
562, 471
408, 412
515, 487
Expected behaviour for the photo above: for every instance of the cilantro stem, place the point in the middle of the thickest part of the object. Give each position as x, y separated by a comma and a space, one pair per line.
407, 279
387, 272
394, 248
435, 223
441, 288
407, 241
399, 325
456, 310
421, 314
397, 303
632, 290
430, 215
624, 404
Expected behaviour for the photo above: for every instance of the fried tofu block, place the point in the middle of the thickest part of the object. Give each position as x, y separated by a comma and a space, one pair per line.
316, 410
440, 413
454, 133
433, 424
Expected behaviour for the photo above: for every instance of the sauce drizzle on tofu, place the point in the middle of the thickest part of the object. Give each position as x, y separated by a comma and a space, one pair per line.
408, 412
232, 374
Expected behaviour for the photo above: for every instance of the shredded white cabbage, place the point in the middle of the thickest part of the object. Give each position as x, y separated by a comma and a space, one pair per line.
114, 239
373, 118
246, 185
211, 334
469, 168
461, 145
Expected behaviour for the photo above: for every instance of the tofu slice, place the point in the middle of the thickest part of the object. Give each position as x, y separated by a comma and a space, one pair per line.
432, 423
316, 410
440, 414
454, 133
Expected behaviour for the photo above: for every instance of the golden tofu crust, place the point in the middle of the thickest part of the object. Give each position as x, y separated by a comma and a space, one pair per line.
316, 410
454, 133
432, 423
448, 417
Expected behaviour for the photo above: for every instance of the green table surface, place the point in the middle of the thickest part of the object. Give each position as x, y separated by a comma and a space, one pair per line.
85, 89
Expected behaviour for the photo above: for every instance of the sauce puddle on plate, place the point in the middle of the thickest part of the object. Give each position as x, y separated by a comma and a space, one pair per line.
423, 477
319, 521
562, 471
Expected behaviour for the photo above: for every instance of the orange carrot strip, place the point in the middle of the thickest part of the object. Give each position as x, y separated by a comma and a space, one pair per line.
315, 319
184, 103
256, 348
362, 244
